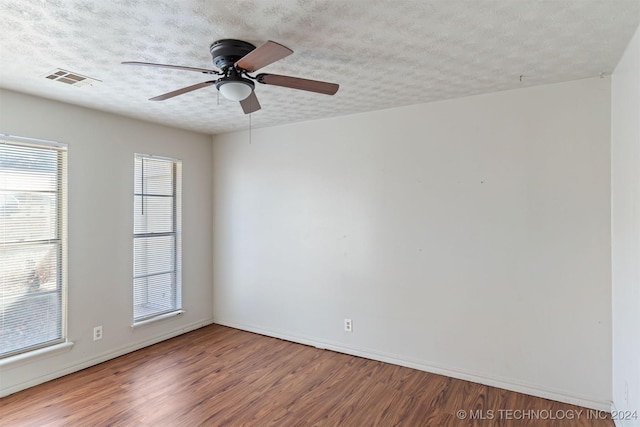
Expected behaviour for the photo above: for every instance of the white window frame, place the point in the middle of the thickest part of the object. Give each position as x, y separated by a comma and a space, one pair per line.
152, 314
60, 240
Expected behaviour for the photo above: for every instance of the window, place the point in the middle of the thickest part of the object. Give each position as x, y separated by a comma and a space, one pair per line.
33, 193
156, 237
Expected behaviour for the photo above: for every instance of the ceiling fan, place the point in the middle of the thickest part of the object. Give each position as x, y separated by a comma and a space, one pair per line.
235, 60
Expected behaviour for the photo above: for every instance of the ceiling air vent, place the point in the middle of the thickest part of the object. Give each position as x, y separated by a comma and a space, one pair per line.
73, 79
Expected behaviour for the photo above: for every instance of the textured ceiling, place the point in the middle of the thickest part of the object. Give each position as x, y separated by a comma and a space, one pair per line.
383, 53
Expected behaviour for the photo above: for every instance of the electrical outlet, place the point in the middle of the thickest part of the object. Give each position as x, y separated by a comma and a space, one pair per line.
97, 333
348, 325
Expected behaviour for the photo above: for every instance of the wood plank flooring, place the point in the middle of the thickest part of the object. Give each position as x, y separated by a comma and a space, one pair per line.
218, 376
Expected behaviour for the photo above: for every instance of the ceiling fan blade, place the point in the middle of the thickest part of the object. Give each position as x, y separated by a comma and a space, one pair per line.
298, 83
250, 104
181, 91
263, 55
175, 67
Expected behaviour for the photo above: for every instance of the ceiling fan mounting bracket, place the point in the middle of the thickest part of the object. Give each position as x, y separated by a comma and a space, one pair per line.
227, 52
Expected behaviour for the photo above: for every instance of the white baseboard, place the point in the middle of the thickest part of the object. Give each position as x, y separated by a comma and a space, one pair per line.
104, 357
507, 384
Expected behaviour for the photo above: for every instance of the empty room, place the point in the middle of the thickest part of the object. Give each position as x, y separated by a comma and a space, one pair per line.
320, 213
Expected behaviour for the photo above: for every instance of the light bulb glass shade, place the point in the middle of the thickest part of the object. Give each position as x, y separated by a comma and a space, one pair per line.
235, 91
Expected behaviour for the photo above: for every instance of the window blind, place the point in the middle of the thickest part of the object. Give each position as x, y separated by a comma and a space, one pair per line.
157, 251
32, 244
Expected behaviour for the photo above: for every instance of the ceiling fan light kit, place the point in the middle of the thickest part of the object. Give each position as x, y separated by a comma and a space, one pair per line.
235, 88
236, 59
235, 91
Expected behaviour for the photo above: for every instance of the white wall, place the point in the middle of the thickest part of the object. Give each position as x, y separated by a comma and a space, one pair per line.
101, 154
625, 228
469, 237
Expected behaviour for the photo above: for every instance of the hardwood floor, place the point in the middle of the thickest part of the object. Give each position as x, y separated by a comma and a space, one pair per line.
218, 376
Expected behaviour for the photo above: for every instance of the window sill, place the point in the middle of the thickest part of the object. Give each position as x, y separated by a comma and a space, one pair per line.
36, 354
157, 318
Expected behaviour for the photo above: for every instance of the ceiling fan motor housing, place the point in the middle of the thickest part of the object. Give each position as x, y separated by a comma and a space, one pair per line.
227, 52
